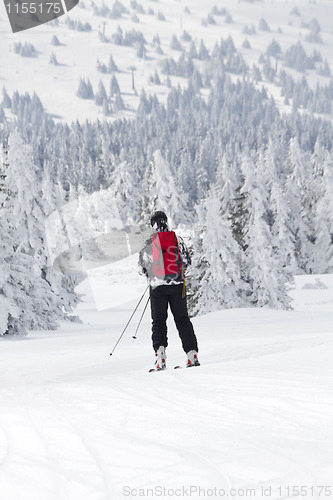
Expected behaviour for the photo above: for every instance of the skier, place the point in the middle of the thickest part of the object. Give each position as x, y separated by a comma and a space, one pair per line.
164, 260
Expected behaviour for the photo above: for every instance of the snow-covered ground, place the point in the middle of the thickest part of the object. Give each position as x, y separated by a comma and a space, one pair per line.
254, 421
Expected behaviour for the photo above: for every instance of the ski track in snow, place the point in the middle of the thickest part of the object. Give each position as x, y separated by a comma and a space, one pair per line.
77, 425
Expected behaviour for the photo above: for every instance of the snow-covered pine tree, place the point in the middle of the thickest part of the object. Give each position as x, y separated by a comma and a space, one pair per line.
162, 191
4, 163
203, 53
33, 296
85, 90
227, 180
297, 176
7, 307
112, 67
193, 54
205, 166
215, 274
186, 176
124, 191
100, 95
119, 104
314, 191
266, 275
323, 219
15, 270
114, 86
10, 274
280, 215
6, 100
15, 282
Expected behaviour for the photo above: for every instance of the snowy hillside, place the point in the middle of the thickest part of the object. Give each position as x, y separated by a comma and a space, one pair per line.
52, 59
76, 424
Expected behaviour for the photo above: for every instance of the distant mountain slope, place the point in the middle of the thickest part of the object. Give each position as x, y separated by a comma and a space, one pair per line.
53, 59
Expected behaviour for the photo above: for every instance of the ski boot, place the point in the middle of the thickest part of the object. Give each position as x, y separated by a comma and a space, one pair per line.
160, 362
192, 359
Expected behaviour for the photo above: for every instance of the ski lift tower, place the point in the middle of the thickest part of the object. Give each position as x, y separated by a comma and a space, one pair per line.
132, 68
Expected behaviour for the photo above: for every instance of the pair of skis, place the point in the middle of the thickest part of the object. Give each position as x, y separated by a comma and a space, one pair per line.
177, 367
163, 369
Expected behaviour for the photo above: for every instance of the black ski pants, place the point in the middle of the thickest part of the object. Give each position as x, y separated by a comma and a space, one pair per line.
160, 298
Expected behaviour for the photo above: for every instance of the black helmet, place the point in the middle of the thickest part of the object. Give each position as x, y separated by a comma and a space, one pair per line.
158, 217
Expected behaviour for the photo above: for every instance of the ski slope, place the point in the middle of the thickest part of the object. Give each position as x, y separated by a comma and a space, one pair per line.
254, 421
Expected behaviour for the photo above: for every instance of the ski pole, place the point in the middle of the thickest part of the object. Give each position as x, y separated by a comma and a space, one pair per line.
128, 322
143, 312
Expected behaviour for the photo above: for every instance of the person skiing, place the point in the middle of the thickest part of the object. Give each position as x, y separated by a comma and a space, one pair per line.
163, 260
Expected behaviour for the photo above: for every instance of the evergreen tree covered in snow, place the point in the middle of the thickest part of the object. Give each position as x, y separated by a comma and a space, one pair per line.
85, 90
323, 219
298, 170
32, 294
124, 191
216, 273
265, 271
280, 214
101, 95
163, 191
114, 86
